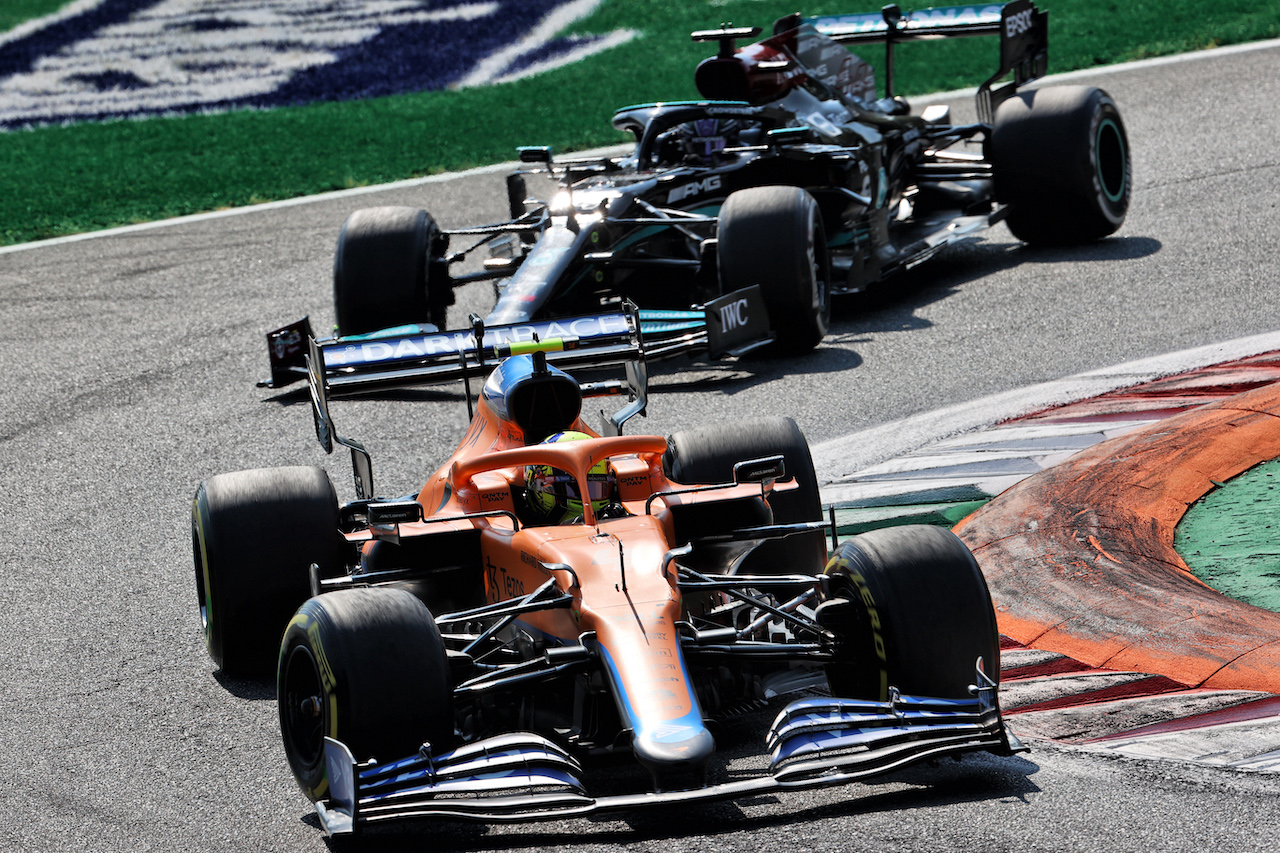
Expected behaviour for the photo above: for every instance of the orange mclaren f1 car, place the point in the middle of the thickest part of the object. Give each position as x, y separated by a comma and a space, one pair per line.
554, 595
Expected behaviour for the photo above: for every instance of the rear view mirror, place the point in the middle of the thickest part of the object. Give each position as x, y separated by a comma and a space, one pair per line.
394, 512
535, 154
326, 433
319, 396
765, 470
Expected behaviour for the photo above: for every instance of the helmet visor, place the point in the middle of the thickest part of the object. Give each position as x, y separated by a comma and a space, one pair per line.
599, 486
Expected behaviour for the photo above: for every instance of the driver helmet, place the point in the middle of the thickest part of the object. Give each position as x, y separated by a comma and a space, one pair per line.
699, 142
552, 494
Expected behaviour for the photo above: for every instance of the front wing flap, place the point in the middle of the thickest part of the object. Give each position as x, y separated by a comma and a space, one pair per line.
510, 774
813, 737
525, 777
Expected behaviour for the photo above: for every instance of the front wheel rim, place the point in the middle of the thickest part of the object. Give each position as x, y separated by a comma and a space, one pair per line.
818, 268
303, 703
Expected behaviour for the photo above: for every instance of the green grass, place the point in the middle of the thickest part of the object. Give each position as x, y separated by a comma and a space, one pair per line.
64, 180
14, 12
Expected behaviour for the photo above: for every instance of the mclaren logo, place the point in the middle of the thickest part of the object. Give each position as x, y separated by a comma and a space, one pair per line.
706, 185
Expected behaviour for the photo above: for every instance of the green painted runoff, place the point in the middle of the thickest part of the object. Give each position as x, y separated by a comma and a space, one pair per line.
1230, 538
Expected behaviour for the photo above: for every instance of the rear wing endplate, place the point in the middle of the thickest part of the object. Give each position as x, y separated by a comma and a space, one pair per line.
1023, 31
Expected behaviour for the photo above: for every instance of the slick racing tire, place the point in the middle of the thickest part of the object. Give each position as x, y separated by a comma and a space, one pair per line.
773, 237
254, 536
366, 667
706, 455
382, 270
911, 610
1060, 158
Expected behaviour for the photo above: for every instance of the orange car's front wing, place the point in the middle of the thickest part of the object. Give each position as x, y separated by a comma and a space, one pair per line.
525, 777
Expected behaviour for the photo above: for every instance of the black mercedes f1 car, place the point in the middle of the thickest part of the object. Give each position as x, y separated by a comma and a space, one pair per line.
735, 219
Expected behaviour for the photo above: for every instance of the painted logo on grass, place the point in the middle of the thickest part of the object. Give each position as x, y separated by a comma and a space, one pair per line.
99, 59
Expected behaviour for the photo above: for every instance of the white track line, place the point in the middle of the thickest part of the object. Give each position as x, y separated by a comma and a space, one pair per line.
847, 455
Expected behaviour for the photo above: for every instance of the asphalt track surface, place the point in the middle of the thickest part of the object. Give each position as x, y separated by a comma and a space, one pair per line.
128, 367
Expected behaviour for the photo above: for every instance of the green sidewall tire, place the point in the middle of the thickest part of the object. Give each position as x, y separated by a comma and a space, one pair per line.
706, 455
1060, 160
375, 663
380, 269
911, 610
773, 236
254, 536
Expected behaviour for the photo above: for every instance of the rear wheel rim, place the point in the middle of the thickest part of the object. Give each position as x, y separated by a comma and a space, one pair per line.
1111, 161
203, 587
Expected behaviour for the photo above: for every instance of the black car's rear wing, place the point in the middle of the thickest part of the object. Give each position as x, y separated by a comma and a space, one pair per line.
412, 356
1023, 31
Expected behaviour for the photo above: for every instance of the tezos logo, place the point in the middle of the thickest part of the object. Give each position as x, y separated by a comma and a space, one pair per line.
705, 185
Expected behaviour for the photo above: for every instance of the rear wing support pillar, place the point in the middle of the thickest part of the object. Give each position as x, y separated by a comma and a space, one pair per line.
893, 21
1024, 52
